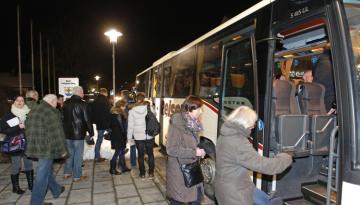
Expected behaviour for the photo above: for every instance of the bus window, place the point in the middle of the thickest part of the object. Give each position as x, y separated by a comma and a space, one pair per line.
353, 16
142, 82
183, 73
209, 69
156, 82
167, 81
239, 85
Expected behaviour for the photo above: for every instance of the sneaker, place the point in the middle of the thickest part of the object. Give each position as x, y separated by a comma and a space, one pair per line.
142, 176
151, 176
82, 178
61, 191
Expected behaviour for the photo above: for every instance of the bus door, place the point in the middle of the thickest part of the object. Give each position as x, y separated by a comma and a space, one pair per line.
239, 77
311, 42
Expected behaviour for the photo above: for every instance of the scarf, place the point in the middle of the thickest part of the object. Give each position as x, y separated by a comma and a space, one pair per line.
193, 124
20, 112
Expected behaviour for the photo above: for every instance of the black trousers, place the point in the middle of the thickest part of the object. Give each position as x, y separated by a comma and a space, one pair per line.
148, 146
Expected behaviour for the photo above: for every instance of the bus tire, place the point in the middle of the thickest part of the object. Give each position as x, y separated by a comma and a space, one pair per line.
208, 169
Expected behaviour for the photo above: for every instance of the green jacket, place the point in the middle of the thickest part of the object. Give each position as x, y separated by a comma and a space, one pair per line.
44, 133
31, 103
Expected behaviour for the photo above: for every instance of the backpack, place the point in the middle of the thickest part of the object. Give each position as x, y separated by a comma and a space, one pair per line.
152, 124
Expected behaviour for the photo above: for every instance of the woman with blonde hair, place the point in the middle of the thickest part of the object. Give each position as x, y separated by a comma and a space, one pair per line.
235, 157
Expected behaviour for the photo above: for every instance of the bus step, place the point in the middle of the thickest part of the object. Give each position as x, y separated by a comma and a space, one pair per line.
316, 193
301, 201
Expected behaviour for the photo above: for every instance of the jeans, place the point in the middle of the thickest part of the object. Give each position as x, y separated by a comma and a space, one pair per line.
100, 137
261, 198
74, 162
197, 202
141, 146
44, 179
16, 164
119, 154
133, 155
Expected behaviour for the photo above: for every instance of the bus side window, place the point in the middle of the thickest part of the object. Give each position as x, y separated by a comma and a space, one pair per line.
209, 69
183, 73
156, 81
167, 81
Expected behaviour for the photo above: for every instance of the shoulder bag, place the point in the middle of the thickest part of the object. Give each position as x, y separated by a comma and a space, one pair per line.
14, 144
192, 173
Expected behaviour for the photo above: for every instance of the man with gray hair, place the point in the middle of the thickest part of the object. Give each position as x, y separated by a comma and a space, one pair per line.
76, 123
46, 142
31, 98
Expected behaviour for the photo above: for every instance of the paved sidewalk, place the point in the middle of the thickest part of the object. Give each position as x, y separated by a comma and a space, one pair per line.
99, 188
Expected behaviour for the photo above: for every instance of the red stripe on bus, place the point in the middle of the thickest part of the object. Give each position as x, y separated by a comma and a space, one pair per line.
211, 107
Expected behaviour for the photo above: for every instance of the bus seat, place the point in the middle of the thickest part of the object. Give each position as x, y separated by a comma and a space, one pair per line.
291, 128
311, 100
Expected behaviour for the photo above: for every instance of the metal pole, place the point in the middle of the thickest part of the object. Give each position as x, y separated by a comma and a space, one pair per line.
41, 70
48, 62
19, 48
113, 58
54, 78
32, 56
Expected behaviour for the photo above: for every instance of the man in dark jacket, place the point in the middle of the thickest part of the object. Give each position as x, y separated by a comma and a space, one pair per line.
76, 124
323, 74
100, 110
45, 141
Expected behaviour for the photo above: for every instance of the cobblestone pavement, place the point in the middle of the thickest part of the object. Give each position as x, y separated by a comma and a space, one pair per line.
99, 188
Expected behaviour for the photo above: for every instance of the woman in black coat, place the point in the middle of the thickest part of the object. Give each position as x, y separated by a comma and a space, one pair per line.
118, 137
18, 114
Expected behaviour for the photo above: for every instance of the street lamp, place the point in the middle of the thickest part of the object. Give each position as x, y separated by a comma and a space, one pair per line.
113, 35
97, 78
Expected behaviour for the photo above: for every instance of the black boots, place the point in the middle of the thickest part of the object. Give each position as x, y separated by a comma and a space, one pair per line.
15, 184
122, 166
113, 169
30, 178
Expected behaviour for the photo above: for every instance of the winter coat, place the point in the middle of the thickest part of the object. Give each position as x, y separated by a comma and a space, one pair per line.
31, 103
136, 123
100, 112
323, 74
118, 126
235, 156
6, 129
45, 133
181, 144
76, 119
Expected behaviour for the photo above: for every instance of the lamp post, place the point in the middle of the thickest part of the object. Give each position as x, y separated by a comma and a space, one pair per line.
113, 35
97, 78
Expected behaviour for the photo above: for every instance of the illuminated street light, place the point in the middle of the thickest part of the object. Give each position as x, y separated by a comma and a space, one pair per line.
113, 35
97, 78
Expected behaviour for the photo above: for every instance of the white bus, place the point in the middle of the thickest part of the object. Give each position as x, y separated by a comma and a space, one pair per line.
236, 63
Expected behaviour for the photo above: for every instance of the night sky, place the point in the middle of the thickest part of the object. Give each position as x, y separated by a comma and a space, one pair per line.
76, 30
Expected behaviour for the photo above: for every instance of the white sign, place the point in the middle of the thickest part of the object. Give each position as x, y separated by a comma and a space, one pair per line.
66, 86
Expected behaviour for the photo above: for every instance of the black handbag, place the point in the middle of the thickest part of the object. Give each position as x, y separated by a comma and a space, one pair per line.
192, 173
89, 140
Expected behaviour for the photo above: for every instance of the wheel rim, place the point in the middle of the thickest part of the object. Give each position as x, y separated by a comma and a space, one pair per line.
208, 170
